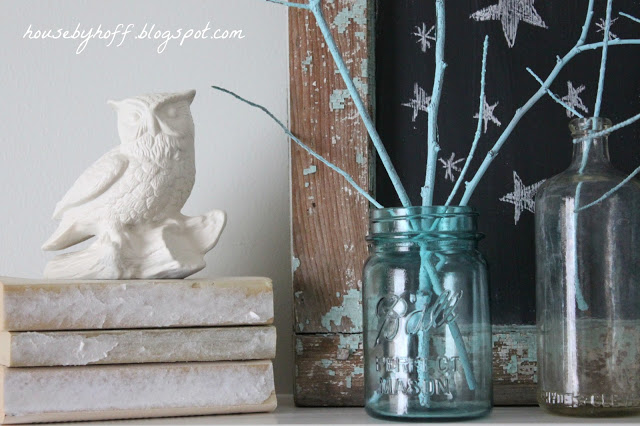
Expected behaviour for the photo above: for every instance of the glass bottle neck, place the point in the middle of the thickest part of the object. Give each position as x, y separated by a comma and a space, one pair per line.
592, 154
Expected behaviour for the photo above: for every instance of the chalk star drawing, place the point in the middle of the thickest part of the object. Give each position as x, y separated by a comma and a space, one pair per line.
522, 196
510, 13
420, 102
451, 165
602, 24
573, 99
488, 115
425, 37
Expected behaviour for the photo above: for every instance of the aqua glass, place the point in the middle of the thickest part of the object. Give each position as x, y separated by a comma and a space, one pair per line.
427, 329
588, 284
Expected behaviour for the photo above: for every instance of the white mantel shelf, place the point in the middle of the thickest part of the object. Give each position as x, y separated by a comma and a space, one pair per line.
288, 413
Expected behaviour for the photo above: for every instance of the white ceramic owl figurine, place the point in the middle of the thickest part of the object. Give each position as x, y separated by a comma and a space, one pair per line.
131, 200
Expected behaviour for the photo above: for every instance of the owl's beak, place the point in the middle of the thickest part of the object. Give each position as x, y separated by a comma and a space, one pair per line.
154, 127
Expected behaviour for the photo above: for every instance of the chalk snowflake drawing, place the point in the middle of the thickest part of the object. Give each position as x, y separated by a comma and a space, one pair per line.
488, 115
420, 101
425, 37
510, 13
451, 165
601, 26
522, 196
573, 99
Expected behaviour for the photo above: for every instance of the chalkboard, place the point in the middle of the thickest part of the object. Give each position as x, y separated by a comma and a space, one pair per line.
539, 148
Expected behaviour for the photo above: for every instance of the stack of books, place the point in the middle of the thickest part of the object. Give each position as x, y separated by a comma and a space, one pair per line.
100, 350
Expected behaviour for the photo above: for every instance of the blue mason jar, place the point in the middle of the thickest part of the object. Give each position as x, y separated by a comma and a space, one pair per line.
427, 329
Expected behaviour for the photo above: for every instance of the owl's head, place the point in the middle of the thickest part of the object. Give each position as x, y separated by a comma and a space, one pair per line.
159, 117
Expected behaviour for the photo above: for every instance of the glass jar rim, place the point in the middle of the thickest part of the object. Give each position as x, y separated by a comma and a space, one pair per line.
582, 126
390, 213
424, 223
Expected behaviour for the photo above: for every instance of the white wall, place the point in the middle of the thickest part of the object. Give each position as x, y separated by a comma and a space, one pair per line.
55, 122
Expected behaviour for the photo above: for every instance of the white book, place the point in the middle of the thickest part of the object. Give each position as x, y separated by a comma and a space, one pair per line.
49, 394
36, 305
64, 348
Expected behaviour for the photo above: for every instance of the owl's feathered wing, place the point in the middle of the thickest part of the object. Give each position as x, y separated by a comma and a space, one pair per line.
95, 181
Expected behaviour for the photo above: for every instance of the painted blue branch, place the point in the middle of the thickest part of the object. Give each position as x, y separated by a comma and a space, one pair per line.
316, 8
304, 146
493, 152
603, 62
432, 143
554, 97
633, 18
453, 326
616, 42
611, 191
476, 137
586, 25
582, 304
290, 4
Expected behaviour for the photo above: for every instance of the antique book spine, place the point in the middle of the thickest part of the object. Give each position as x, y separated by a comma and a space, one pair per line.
47, 394
36, 305
65, 348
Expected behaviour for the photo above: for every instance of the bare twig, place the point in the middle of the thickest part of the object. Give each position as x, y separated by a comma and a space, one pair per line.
304, 146
555, 97
432, 144
472, 185
476, 137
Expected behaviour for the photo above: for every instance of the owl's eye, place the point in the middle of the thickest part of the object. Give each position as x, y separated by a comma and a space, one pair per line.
133, 117
172, 112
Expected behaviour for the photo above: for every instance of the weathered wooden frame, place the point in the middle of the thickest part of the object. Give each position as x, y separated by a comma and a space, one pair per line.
330, 221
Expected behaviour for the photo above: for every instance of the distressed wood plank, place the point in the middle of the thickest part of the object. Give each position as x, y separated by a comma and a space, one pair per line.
329, 370
515, 364
322, 371
330, 219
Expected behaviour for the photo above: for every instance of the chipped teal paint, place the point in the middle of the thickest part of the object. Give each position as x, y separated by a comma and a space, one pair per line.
362, 87
299, 347
337, 99
357, 371
350, 341
309, 170
356, 14
331, 372
326, 363
515, 353
512, 367
360, 159
307, 62
364, 68
350, 309
295, 264
518, 336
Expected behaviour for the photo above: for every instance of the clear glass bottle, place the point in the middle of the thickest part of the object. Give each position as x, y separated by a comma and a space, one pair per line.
588, 285
427, 328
